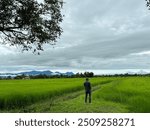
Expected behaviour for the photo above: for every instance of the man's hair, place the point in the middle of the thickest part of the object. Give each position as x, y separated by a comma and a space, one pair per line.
87, 79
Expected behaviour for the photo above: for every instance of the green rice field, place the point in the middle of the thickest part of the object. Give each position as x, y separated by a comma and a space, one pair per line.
109, 95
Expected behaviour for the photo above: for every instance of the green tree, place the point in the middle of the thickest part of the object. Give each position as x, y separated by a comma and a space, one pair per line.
148, 4
29, 24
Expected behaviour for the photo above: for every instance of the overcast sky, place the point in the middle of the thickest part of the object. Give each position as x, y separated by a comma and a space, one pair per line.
98, 35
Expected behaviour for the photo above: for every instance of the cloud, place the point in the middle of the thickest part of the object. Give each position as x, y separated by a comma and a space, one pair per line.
100, 34
144, 53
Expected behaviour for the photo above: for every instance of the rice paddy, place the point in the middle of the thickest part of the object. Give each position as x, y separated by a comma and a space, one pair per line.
113, 94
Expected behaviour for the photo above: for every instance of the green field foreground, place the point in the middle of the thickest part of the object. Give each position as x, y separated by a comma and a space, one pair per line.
122, 95
19, 93
128, 94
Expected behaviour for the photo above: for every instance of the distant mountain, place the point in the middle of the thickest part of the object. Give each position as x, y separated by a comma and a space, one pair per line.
69, 73
140, 72
56, 73
34, 73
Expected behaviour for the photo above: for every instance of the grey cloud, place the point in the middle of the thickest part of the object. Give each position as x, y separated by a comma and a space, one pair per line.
98, 34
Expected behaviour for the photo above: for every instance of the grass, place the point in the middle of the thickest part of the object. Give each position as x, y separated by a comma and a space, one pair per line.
19, 93
130, 94
133, 92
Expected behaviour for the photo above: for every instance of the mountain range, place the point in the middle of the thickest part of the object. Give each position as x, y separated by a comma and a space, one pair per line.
50, 73
34, 73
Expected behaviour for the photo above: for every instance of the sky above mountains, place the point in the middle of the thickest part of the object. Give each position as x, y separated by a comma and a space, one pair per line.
98, 35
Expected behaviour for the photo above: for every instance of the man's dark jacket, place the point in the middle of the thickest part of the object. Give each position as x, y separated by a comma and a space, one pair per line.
87, 86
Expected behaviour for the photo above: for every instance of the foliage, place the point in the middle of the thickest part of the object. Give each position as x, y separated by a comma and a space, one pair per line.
85, 74
29, 23
148, 3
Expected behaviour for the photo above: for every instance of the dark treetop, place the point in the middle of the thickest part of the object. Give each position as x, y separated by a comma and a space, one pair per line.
148, 3
30, 24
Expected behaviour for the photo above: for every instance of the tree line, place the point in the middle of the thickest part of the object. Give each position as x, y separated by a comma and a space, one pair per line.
77, 75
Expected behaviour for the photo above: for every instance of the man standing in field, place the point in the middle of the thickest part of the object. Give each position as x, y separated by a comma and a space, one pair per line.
87, 86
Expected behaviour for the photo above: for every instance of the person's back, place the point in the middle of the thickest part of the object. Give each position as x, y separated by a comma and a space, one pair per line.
87, 86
